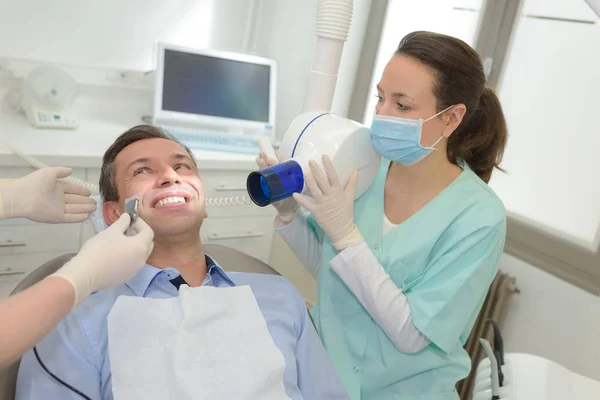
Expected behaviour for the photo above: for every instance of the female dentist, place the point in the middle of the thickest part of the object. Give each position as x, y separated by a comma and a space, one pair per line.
108, 259
403, 271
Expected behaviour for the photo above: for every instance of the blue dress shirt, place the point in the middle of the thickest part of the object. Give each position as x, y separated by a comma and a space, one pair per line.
76, 350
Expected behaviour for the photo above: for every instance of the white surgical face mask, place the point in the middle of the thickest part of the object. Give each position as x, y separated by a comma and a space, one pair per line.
399, 139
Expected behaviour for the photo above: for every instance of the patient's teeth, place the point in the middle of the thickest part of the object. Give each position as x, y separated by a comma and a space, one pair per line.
169, 200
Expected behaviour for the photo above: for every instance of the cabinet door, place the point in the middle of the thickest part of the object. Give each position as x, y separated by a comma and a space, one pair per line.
251, 235
36, 238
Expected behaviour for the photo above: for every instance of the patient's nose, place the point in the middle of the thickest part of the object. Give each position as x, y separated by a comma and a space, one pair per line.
169, 177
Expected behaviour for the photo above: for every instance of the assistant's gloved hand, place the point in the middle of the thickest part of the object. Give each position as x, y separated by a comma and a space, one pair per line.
333, 207
110, 258
41, 197
285, 208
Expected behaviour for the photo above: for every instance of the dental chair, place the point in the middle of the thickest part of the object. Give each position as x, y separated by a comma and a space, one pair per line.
230, 259
531, 377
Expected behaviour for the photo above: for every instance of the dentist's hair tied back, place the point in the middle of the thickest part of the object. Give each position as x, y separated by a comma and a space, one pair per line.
481, 137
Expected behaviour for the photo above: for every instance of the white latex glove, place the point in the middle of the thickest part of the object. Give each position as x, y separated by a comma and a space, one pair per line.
41, 197
333, 207
285, 208
110, 258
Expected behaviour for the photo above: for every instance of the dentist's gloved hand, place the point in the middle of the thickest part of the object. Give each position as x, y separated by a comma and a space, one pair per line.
41, 197
333, 207
110, 258
285, 208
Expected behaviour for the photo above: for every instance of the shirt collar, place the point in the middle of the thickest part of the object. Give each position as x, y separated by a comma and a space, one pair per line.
215, 270
142, 280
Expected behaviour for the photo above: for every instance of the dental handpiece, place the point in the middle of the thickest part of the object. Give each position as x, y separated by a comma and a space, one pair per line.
131, 208
265, 146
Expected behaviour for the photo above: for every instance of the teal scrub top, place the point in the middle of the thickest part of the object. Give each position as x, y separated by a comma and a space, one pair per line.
444, 258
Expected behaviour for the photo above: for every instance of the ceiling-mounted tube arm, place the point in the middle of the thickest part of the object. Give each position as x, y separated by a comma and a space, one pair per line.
334, 18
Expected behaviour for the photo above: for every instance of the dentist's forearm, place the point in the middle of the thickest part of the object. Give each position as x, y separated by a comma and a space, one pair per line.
302, 240
28, 316
358, 267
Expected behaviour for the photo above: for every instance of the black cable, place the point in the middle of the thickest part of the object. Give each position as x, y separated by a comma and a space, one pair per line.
498, 350
56, 377
498, 342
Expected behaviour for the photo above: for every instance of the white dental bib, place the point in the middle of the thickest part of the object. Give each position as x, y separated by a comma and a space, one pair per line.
207, 343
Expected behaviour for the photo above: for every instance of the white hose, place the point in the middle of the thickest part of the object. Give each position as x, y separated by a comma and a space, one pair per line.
265, 146
34, 162
334, 18
495, 384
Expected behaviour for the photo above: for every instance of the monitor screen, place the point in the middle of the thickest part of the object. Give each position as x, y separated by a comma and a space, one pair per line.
205, 85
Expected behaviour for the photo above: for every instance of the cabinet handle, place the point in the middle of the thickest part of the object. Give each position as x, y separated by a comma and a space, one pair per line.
10, 272
223, 188
216, 236
12, 243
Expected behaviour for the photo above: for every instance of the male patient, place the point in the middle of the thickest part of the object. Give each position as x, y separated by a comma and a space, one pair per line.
147, 162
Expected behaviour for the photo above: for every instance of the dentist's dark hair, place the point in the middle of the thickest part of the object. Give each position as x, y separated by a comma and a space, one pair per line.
481, 137
108, 186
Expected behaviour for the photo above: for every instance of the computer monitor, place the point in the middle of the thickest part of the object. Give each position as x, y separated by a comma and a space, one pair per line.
216, 90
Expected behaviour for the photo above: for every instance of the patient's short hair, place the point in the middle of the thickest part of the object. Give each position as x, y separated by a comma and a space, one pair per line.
108, 186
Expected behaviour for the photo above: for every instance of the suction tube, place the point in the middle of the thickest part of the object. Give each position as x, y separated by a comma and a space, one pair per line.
275, 183
334, 18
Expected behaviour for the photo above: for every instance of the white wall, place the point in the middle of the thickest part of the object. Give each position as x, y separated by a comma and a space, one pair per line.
553, 319
115, 33
286, 32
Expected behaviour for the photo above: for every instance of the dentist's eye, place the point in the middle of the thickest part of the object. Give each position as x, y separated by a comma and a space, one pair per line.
379, 98
402, 107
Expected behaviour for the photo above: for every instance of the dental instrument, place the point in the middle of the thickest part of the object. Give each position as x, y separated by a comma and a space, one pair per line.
131, 208
316, 131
